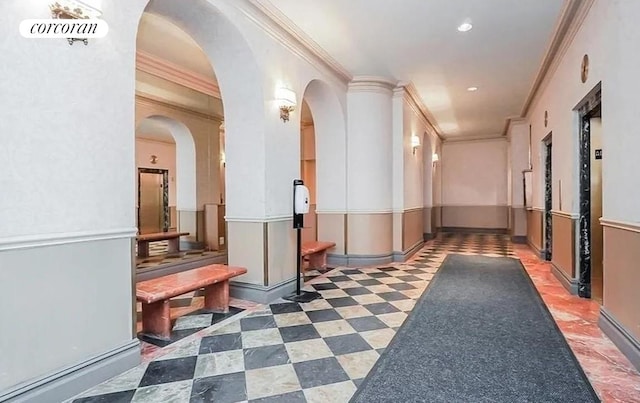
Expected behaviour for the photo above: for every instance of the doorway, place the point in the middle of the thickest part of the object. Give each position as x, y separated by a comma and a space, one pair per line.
590, 278
548, 198
153, 200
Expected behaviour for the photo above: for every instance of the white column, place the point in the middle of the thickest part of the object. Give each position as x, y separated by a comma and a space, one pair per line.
369, 176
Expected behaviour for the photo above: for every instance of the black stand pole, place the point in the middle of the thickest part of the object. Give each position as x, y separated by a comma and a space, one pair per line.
299, 260
299, 296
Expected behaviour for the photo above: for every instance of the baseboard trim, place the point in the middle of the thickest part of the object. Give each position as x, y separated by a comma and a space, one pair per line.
426, 237
188, 245
569, 283
359, 260
165, 270
540, 252
626, 343
519, 239
470, 230
259, 293
71, 381
403, 256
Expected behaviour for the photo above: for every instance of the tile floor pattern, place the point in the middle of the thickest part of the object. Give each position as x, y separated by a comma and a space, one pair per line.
288, 352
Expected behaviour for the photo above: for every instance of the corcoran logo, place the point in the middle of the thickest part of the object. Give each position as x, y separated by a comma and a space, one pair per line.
64, 28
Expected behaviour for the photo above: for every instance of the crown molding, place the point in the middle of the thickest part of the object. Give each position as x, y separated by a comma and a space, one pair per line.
271, 20
569, 23
164, 69
423, 111
463, 139
156, 101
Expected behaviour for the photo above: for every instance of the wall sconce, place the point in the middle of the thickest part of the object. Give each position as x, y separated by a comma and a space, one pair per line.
153, 159
223, 160
435, 158
286, 99
74, 10
415, 143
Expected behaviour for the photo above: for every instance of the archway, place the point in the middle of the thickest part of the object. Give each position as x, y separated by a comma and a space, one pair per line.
163, 143
189, 62
324, 159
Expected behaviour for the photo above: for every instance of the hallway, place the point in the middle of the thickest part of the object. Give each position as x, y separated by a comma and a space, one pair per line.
323, 350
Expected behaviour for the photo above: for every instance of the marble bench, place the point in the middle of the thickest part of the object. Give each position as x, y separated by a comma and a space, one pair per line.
172, 237
155, 294
316, 252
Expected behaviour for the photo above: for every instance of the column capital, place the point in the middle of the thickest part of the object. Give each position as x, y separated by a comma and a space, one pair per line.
371, 84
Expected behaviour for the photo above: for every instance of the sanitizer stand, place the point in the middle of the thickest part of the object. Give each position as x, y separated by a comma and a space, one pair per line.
300, 207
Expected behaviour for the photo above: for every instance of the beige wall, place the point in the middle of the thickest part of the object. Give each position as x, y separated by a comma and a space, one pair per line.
563, 243
622, 274
412, 225
205, 131
370, 234
486, 217
535, 220
332, 227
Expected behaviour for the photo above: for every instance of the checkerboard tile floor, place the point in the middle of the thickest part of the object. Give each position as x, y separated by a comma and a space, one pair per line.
288, 352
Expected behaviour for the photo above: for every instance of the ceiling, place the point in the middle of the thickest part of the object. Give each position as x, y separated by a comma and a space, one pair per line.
417, 41
163, 39
151, 130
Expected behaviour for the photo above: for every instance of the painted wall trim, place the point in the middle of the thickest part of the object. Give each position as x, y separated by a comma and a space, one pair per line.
405, 255
356, 212
571, 19
151, 100
563, 214
70, 381
164, 69
359, 260
540, 252
259, 219
623, 225
570, 284
37, 241
628, 345
259, 293
540, 209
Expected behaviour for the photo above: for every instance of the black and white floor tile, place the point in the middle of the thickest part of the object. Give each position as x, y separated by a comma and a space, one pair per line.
287, 352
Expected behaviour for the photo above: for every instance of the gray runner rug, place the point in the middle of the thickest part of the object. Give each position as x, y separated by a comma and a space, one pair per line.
479, 333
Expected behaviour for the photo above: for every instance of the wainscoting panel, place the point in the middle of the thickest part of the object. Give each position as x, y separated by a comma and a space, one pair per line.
480, 217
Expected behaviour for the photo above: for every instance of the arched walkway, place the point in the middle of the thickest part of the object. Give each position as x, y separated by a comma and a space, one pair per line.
331, 165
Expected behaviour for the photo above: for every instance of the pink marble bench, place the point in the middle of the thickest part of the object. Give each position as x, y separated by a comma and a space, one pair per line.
155, 294
172, 237
316, 251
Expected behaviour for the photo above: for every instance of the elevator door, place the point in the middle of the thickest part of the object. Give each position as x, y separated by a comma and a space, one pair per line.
151, 203
597, 245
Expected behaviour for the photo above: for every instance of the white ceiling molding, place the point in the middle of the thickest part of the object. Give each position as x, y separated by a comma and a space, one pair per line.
422, 110
572, 17
169, 71
474, 139
283, 30
152, 100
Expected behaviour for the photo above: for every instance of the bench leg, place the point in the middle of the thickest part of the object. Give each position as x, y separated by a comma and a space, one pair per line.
156, 320
143, 249
174, 245
216, 297
318, 260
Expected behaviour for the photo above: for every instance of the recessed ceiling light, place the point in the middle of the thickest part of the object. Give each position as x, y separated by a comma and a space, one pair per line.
465, 26
471, 89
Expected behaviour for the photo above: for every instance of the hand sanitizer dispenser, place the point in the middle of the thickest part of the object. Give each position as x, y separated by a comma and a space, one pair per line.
301, 200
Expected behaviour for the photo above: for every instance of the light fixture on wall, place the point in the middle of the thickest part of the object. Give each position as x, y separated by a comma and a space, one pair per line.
223, 160
75, 10
435, 158
286, 99
415, 143
153, 159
